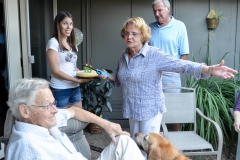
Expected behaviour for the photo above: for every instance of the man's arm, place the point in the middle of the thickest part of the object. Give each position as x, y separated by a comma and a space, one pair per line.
184, 57
112, 129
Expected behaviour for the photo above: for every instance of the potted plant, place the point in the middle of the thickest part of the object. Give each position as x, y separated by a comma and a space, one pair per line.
214, 97
94, 97
213, 19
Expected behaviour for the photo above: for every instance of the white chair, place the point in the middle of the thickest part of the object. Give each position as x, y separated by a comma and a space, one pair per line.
181, 108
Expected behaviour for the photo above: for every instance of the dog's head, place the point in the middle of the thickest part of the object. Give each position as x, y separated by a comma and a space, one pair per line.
142, 141
151, 140
157, 147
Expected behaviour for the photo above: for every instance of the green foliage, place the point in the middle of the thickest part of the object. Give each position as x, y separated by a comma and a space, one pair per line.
219, 16
94, 98
216, 15
214, 97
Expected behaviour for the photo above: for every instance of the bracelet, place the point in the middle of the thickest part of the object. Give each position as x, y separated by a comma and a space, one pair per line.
210, 68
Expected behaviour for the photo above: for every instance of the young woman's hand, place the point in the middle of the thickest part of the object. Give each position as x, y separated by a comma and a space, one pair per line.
84, 80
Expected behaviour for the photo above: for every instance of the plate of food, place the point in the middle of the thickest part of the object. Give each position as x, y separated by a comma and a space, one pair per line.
86, 74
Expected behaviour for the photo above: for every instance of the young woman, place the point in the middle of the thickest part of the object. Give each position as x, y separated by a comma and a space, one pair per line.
62, 57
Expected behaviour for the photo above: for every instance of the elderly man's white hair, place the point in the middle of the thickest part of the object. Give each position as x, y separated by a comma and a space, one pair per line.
24, 92
165, 2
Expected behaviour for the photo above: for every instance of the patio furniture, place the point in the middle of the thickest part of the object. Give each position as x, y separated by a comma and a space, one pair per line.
181, 108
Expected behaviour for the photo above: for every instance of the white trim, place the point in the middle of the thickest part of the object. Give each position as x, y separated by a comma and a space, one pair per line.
13, 47
25, 38
2, 150
54, 8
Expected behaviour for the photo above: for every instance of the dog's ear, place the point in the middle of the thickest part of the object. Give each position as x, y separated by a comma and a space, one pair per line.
154, 154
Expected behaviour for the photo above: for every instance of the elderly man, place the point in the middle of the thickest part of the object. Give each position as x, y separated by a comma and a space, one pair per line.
170, 35
35, 134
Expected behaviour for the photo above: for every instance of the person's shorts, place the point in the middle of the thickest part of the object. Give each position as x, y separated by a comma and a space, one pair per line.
66, 97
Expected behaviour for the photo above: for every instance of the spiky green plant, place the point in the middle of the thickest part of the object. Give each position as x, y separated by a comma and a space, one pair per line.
214, 97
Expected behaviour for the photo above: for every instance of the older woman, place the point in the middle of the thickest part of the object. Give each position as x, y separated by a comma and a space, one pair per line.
139, 73
35, 134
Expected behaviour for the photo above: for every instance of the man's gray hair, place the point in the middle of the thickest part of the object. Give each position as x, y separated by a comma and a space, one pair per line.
24, 92
165, 2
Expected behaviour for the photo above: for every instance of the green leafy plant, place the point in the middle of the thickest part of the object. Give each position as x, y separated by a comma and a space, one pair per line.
214, 97
216, 15
213, 19
94, 97
220, 16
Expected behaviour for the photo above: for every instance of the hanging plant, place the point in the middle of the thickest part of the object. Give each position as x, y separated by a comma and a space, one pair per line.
213, 19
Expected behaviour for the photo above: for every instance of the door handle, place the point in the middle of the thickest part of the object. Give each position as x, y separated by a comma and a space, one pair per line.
31, 59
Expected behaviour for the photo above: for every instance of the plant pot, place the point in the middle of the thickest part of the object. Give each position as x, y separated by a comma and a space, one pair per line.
212, 23
94, 128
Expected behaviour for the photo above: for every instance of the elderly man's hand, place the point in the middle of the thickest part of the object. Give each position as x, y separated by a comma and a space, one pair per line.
114, 129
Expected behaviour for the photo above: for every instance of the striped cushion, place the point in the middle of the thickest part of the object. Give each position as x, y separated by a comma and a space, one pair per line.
74, 131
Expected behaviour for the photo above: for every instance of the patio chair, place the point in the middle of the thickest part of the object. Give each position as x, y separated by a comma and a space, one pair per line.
181, 108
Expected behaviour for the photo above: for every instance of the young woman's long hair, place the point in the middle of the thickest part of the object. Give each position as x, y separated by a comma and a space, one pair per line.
71, 39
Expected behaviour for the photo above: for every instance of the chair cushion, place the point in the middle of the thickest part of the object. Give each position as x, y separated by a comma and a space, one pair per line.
74, 131
188, 140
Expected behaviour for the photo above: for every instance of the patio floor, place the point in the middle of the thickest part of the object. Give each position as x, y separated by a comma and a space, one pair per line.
102, 140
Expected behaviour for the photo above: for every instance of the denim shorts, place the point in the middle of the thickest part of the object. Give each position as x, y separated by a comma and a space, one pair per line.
66, 97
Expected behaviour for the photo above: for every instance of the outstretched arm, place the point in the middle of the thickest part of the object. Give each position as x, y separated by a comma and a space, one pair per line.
112, 129
219, 70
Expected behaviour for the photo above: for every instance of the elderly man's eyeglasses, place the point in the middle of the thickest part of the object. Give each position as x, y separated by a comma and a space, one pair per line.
49, 106
126, 34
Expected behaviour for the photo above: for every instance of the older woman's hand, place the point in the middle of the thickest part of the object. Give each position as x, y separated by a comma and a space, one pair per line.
219, 70
105, 75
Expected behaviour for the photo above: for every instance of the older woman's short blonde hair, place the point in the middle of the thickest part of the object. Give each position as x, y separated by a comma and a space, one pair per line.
139, 23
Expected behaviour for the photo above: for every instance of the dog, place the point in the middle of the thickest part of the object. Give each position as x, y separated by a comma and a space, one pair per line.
157, 147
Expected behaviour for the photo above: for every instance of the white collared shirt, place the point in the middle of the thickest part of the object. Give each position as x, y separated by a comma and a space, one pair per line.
32, 142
